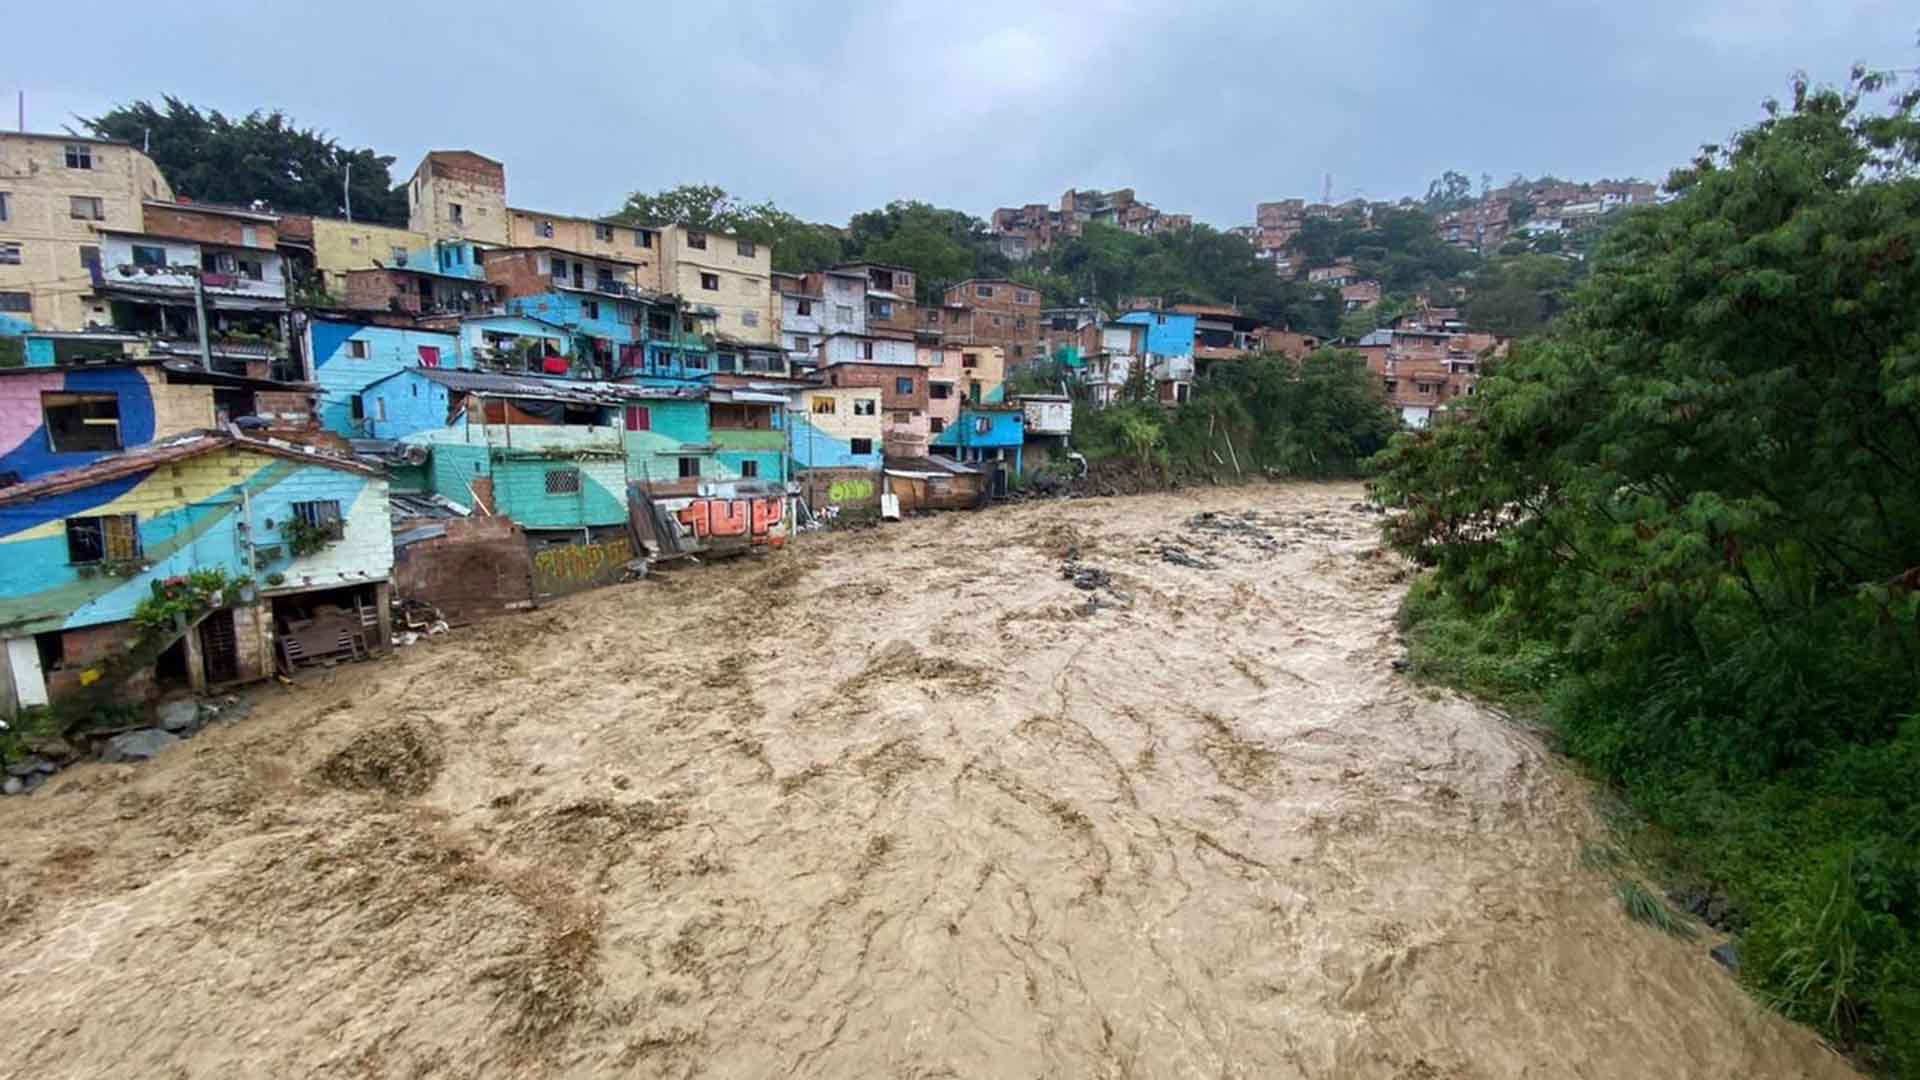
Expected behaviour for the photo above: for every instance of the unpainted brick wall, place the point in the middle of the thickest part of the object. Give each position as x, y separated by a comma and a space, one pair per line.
479, 568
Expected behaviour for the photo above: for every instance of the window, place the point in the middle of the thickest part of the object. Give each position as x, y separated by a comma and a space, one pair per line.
1019, 323
982, 425
357, 408
985, 292
801, 344
322, 514
824, 406
380, 405
86, 208
860, 446
689, 468
800, 307
953, 316
79, 156
108, 538
149, 255
880, 309
356, 350
249, 236
251, 269
16, 301
81, 422
642, 238
750, 318
602, 231
969, 360
1018, 350
9, 254
429, 356
590, 308
745, 248
544, 229
903, 385
1023, 297
710, 282
865, 407
726, 361
696, 240
455, 213
843, 312
639, 418
749, 470
563, 481
6, 210
939, 391
903, 418
603, 280
399, 255
936, 424
1160, 320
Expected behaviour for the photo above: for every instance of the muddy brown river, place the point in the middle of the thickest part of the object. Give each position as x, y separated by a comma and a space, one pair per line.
894, 803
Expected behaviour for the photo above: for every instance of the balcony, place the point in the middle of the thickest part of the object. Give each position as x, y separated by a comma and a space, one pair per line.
598, 285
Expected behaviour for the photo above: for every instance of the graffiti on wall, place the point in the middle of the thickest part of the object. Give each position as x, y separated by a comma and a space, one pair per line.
850, 491
566, 568
756, 520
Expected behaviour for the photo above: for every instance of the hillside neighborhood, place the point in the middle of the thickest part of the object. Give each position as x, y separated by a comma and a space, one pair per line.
288, 427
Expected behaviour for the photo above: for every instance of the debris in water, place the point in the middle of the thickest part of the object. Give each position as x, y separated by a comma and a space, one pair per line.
1179, 556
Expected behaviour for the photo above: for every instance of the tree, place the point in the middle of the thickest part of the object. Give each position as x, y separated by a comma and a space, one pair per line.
262, 156
703, 206
1451, 191
941, 246
1701, 490
798, 246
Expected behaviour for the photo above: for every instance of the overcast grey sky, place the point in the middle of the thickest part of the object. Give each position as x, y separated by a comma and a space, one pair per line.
834, 108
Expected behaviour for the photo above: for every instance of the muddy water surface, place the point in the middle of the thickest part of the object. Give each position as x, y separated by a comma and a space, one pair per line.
896, 803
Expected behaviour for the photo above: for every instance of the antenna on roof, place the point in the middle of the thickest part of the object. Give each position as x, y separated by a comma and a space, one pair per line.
1326, 193
23, 112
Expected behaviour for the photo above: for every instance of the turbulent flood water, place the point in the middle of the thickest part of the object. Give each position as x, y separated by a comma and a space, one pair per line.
908, 802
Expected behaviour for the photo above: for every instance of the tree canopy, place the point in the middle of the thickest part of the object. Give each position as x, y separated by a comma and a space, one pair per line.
261, 156
1701, 492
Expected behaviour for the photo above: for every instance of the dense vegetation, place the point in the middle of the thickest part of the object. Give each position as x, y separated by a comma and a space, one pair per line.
261, 157
1686, 522
1318, 417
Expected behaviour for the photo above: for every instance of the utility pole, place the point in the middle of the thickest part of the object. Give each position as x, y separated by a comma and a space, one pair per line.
346, 188
200, 317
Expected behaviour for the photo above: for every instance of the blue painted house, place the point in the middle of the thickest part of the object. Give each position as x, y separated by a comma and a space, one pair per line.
348, 355
82, 548
1169, 333
985, 433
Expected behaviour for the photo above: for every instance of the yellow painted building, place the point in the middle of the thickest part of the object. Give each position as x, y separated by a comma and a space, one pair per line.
340, 246
459, 195
728, 275
593, 237
55, 191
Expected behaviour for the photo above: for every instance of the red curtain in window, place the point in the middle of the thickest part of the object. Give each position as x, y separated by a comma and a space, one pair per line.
429, 356
639, 418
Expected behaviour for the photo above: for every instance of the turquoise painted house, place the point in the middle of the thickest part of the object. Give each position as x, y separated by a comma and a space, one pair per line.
82, 548
985, 433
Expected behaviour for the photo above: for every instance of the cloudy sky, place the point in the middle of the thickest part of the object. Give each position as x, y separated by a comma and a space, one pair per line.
833, 108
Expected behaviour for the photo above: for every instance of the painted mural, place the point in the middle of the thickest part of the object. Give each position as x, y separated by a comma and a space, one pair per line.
222, 509
565, 568
750, 519
148, 409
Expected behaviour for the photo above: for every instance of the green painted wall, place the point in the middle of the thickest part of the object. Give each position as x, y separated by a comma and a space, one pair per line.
520, 490
453, 465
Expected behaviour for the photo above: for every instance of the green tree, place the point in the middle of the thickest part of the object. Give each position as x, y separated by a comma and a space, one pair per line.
1701, 491
797, 246
1451, 191
262, 156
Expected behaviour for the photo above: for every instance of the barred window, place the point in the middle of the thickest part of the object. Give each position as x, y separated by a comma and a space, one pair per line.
108, 538
563, 481
322, 514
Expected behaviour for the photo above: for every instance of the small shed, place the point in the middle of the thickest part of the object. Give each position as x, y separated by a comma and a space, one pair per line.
934, 483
